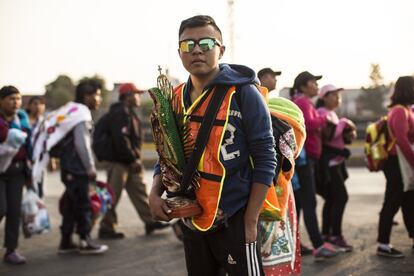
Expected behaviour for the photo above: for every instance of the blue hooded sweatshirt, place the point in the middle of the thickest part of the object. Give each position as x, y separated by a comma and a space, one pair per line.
248, 134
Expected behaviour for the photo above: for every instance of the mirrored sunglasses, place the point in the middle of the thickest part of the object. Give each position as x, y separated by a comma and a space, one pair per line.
205, 44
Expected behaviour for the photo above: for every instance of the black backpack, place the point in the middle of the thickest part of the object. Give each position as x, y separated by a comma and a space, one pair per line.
102, 143
56, 150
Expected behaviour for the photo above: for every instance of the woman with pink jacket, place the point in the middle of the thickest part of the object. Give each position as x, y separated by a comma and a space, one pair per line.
332, 170
400, 126
305, 87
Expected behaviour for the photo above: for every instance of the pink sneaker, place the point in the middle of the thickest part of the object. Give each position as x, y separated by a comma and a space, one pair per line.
325, 251
14, 258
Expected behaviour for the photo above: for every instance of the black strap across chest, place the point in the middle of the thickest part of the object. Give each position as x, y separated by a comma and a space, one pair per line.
203, 134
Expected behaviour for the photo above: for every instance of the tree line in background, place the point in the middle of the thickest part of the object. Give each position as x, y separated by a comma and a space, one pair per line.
374, 97
62, 90
372, 100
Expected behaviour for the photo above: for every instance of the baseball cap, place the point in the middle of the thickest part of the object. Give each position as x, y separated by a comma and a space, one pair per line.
268, 70
129, 88
303, 78
328, 88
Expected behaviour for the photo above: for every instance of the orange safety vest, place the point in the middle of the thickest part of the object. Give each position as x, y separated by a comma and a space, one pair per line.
212, 171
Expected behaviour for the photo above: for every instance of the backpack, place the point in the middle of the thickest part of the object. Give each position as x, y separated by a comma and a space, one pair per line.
102, 143
56, 150
378, 143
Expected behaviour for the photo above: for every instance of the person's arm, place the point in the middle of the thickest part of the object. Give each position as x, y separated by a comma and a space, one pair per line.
340, 128
257, 196
119, 130
82, 141
257, 124
313, 120
398, 122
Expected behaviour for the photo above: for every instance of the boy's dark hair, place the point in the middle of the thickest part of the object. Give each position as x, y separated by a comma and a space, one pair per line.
403, 91
7, 91
86, 87
199, 21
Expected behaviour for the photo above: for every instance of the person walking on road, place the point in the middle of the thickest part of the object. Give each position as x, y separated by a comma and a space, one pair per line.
305, 87
77, 171
124, 160
14, 131
332, 168
397, 193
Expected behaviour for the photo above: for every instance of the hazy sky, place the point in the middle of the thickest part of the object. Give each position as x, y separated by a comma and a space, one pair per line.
126, 40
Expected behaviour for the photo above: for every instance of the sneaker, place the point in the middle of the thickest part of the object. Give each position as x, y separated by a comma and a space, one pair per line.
341, 243
67, 246
325, 251
149, 228
304, 250
110, 235
389, 252
14, 258
89, 247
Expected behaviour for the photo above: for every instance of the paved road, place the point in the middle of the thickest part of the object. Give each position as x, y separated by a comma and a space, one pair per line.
162, 254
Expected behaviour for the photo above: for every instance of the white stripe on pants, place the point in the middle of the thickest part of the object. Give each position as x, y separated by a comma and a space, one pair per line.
252, 261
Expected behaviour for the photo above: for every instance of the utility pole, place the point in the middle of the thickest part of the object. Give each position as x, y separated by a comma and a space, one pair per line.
230, 8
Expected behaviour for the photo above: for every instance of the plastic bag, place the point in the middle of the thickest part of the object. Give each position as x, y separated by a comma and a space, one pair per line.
101, 198
407, 172
6, 156
35, 217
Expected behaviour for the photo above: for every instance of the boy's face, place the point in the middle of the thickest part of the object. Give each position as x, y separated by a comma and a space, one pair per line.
37, 107
93, 101
134, 99
333, 100
11, 104
311, 88
269, 81
197, 62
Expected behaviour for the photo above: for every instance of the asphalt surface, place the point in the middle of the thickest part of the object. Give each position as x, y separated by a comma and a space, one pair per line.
162, 254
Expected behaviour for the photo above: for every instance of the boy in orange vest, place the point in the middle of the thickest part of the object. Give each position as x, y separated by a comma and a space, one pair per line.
232, 189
